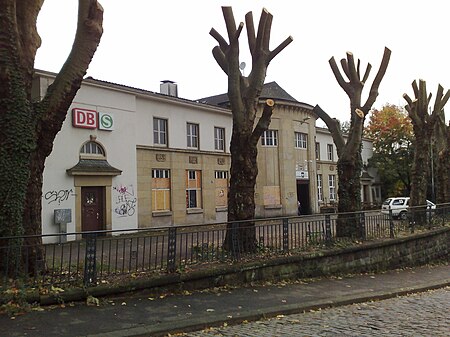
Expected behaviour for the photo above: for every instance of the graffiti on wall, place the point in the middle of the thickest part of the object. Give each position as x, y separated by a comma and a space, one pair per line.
58, 196
125, 200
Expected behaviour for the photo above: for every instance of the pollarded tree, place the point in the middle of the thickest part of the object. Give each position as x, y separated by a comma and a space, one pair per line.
244, 93
349, 163
28, 127
423, 126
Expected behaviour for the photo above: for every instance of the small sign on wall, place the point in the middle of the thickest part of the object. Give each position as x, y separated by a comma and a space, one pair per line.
84, 118
301, 174
106, 121
63, 215
91, 119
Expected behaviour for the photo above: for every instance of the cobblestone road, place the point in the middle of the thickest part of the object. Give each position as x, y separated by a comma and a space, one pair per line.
425, 315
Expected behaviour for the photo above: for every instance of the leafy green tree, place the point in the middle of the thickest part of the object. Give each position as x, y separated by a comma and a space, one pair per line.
391, 131
28, 125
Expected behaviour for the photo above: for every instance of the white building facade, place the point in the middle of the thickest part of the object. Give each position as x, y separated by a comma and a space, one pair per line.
127, 158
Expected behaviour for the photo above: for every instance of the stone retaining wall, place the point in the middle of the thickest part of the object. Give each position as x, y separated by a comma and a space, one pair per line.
409, 251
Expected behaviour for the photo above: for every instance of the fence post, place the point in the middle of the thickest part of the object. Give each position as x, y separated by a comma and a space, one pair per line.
285, 234
362, 224
429, 214
391, 225
171, 249
328, 229
90, 260
411, 220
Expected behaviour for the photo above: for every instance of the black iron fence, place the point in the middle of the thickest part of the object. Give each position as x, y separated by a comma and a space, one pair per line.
98, 257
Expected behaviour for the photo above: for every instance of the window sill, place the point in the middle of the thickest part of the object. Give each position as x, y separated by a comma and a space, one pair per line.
273, 206
221, 209
194, 210
161, 213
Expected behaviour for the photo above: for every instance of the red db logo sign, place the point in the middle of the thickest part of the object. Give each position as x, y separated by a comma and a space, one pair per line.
83, 118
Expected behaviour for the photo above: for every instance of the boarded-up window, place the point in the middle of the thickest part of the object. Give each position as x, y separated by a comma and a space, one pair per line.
221, 182
271, 195
160, 190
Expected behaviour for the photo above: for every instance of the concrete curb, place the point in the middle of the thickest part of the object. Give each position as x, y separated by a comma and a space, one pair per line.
215, 321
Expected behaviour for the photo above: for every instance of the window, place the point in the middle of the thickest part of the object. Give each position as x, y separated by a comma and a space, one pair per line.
330, 154
221, 182
192, 135
319, 188
269, 138
193, 189
317, 151
332, 186
219, 139
160, 131
301, 140
160, 190
92, 148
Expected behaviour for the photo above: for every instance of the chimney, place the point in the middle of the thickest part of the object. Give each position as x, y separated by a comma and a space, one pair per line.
169, 88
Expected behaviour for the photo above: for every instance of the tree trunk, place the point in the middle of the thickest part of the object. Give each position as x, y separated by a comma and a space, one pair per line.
16, 140
442, 137
28, 129
419, 184
33, 252
241, 199
349, 194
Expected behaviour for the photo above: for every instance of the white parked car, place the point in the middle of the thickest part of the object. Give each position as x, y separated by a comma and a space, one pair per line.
399, 206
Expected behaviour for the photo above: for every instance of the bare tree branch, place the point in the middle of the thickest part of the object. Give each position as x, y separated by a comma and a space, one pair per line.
263, 122
222, 43
334, 127
229, 22
261, 31
366, 74
220, 58
358, 68
344, 66
337, 74
61, 93
351, 68
267, 31
278, 49
251, 35
29, 40
376, 82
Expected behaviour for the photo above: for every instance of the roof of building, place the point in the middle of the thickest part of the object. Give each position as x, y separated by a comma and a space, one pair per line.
270, 90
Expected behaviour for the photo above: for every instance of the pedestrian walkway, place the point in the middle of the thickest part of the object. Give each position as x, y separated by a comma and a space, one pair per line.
140, 314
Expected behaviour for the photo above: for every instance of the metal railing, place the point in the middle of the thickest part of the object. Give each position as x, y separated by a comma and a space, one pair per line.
104, 255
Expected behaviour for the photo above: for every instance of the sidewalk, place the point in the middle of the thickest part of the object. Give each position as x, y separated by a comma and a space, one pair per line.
140, 315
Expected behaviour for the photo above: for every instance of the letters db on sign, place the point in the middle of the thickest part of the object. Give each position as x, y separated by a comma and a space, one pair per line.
91, 119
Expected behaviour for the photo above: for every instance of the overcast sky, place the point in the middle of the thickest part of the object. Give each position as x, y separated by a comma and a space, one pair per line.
145, 42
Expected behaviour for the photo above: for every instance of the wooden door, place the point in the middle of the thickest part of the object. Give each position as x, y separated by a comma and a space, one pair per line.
92, 208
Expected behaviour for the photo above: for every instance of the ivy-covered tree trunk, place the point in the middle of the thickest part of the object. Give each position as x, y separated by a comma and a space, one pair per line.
27, 128
442, 140
348, 146
244, 93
